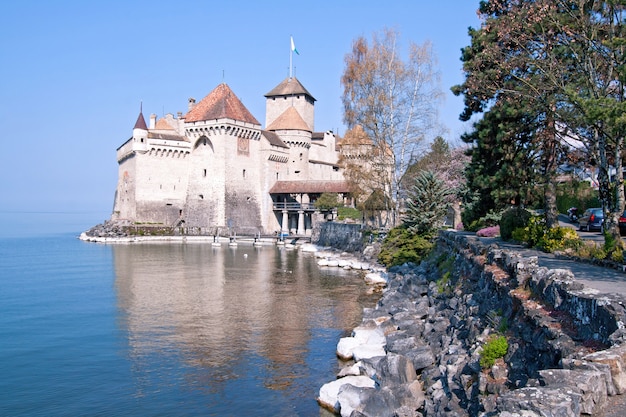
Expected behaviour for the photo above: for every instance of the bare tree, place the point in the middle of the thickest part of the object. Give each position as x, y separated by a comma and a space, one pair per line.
394, 101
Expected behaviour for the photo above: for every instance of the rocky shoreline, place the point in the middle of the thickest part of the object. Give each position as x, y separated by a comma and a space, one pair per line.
417, 353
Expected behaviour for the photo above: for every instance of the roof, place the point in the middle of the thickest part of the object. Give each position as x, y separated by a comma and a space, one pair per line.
274, 139
141, 122
313, 187
162, 124
221, 103
165, 136
288, 87
356, 136
290, 119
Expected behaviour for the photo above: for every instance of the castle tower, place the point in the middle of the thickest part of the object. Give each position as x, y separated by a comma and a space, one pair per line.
296, 133
290, 93
224, 173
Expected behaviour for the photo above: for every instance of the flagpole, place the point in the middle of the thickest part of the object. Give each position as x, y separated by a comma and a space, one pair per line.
290, 57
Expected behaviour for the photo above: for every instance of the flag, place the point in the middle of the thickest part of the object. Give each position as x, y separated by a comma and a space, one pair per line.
293, 47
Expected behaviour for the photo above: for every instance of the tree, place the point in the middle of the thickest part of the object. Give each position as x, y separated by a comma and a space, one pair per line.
327, 202
514, 61
448, 165
427, 204
502, 171
394, 101
367, 167
564, 61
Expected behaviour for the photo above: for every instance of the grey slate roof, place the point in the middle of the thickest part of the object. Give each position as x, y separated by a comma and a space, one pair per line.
289, 87
274, 140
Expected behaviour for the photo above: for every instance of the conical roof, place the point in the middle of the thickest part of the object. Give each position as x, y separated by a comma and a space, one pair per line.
288, 87
290, 119
221, 103
141, 122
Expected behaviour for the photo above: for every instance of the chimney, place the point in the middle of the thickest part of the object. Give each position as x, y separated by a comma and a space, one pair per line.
152, 121
192, 103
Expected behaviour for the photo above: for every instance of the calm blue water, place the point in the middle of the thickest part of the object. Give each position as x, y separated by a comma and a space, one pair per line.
168, 329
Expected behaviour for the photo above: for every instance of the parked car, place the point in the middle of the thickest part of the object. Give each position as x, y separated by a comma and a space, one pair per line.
592, 219
622, 224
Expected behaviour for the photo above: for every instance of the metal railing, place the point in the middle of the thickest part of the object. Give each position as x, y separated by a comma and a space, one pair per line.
293, 206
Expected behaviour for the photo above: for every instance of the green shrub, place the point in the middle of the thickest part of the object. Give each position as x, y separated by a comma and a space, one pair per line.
576, 194
512, 219
557, 238
590, 249
401, 246
536, 234
348, 213
495, 348
327, 201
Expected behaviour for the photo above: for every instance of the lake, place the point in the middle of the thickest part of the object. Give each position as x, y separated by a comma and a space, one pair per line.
168, 329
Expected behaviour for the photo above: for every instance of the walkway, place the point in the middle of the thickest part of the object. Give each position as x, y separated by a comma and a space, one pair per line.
604, 280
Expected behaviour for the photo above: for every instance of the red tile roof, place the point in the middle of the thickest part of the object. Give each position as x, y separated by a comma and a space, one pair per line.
312, 187
221, 103
162, 124
290, 119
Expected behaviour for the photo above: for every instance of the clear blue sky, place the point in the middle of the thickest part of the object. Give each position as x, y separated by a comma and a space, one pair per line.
74, 73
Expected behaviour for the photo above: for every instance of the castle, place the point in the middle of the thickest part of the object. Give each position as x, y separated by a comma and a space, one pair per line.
215, 169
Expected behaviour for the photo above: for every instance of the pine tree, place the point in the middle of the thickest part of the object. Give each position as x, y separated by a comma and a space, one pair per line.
427, 204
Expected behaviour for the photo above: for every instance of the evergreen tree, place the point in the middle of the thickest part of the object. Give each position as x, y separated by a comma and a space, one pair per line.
502, 171
427, 204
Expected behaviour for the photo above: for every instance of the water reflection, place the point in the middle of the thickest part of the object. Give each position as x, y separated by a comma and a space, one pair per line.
216, 319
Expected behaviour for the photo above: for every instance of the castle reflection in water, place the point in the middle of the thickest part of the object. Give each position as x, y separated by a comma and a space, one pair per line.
225, 312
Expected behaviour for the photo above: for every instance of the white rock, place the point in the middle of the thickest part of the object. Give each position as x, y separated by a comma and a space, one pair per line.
353, 370
375, 278
323, 262
368, 351
307, 247
346, 346
343, 263
333, 262
370, 335
330, 391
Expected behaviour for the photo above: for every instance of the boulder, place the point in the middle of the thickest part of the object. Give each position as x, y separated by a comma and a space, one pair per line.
591, 385
345, 347
615, 361
375, 278
368, 403
329, 392
562, 402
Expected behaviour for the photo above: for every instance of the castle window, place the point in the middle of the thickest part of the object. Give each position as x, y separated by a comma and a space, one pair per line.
204, 172
201, 196
244, 173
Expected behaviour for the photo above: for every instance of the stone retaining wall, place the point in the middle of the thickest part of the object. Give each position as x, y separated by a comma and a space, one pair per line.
566, 352
343, 236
